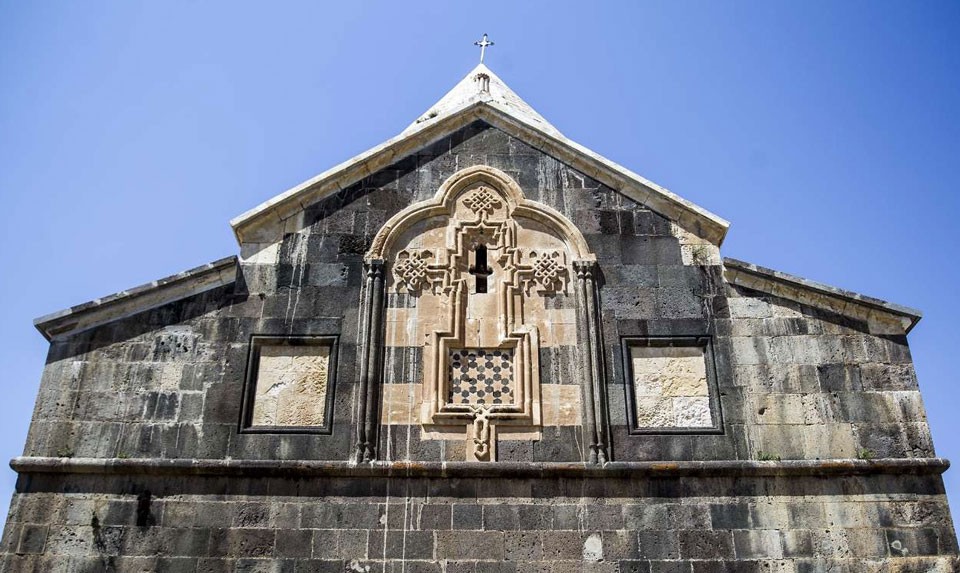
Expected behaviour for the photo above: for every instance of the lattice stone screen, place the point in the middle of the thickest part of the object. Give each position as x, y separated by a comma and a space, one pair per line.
481, 377
670, 387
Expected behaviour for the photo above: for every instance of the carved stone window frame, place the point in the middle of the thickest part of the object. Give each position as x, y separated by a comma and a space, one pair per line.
257, 342
713, 388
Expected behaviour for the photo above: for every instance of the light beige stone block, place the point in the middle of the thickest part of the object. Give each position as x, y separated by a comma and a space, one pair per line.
743, 307
655, 412
692, 412
829, 441
170, 376
401, 404
749, 350
670, 387
291, 386
260, 253
558, 334
701, 255
561, 404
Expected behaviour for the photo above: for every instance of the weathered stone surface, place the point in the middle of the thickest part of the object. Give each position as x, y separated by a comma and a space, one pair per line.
291, 386
670, 387
807, 375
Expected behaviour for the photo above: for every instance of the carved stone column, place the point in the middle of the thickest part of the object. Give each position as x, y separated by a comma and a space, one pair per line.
371, 360
594, 380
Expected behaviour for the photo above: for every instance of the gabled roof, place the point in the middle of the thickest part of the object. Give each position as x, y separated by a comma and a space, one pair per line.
491, 101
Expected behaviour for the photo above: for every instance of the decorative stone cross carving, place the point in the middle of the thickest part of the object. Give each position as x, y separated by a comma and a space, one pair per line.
485, 269
484, 357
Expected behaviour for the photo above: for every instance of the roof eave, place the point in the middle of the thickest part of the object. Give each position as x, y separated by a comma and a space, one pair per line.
276, 210
138, 299
286, 204
876, 312
614, 175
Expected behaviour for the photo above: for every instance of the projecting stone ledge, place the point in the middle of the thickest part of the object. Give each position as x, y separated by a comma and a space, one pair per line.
302, 469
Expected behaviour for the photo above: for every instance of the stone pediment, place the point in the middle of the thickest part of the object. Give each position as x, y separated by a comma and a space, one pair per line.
480, 96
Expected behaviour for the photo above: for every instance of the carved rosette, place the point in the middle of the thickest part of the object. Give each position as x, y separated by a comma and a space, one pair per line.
410, 269
547, 271
483, 202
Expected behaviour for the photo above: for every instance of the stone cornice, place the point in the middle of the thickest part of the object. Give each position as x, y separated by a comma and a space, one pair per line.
138, 299
879, 314
303, 469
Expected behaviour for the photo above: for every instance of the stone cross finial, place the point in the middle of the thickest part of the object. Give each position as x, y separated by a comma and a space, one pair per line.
483, 46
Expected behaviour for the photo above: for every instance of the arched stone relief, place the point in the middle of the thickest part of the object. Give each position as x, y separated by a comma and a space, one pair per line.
481, 264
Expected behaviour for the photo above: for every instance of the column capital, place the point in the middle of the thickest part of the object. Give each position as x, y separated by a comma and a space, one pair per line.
585, 269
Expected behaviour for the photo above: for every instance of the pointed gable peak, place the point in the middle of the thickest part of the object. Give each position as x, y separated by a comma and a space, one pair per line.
482, 85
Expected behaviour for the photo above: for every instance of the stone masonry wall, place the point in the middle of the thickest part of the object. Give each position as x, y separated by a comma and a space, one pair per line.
791, 382
483, 525
794, 382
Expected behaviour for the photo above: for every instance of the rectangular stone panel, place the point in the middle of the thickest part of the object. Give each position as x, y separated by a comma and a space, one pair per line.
670, 385
290, 383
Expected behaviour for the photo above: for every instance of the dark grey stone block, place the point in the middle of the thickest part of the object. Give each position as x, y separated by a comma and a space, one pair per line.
922, 541
604, 517
243, 542
402, 545
485, 545
33, 539
331, 566
730, 516
324, 543
353, 543
658, 544
618, 545
535, 517
501, 517
435, 517
560, 545
181, 565
706, 544
492, 567
467, 516
522, 546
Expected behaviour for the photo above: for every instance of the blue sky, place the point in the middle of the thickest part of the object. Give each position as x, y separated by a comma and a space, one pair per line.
826, 132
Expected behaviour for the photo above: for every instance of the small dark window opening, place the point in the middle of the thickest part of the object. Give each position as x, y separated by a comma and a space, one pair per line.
144, 517
480, 270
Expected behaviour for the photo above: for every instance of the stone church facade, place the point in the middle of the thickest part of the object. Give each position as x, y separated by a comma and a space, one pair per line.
480, 347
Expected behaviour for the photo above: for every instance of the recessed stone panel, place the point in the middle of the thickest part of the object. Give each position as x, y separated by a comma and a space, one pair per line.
669, 385
290, 383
